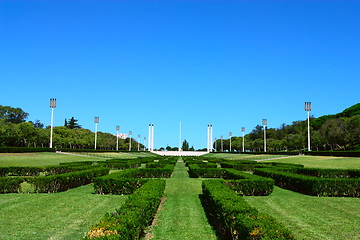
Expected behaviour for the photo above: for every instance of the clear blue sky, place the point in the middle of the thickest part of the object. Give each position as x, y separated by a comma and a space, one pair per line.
229, 63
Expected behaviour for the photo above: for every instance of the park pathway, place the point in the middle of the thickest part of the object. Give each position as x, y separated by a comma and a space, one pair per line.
182, 215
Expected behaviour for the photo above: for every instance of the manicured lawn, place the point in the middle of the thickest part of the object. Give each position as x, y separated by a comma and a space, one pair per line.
232, 156
66, 215
39, 159
323, 162
308, 217
182, 216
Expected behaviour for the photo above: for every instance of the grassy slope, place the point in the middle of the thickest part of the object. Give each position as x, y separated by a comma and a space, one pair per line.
182, 216
312, 218
48, 159
66, 215
323, 161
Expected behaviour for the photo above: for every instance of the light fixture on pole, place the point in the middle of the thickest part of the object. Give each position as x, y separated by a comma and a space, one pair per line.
52, 105
243, 145
130, 133
230, 134
138, 142
308, 107
96, 121
222, 144
180, 144
215, 144
264, 123
149, 138
117, 137
144, 143
209, 139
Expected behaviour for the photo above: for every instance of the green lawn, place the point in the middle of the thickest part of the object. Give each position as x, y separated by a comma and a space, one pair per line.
233, 156
65, 215
323, 161
48, 159
182, 216
308, 217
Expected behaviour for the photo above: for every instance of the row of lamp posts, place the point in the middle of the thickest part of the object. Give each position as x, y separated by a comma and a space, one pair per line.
308, 107
96, 121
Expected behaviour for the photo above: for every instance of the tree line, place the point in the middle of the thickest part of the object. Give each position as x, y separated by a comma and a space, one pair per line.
15, 131
330, 132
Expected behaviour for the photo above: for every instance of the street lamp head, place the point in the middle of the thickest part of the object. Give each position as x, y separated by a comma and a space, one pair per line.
139, 136
130, 133
308, 106
53, 102
117, 128
264, 122
221, 137
242, 129
96, 119
230, 134
144, 138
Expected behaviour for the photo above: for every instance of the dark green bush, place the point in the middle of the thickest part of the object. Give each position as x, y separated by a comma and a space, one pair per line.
65, 181
316, 186
129, 221
10, 184
234, 218
24, 149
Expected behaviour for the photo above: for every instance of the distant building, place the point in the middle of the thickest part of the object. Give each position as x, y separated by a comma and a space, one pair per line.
122, 135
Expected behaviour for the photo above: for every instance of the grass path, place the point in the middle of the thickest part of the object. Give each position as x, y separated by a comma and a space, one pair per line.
182, 216
65, 215
312, 218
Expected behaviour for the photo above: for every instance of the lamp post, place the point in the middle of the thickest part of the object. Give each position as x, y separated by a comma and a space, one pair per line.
117, 137
138, 142
52, 105
180, 145
215, 144
230, 134
144, 143
96, 121
264, 123
130, 133
243, 142
308, 107
222, 144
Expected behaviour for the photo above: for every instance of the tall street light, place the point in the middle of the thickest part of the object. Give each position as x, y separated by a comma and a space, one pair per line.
52, 105
215, 144
96, 121
138, 142
243, 142
230, 134
222, 144
308, 107
144, 143
117, 137
130, 133
264, 123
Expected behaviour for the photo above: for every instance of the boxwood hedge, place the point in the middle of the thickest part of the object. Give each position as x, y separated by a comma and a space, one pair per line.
234, 218
316, 186
129, 221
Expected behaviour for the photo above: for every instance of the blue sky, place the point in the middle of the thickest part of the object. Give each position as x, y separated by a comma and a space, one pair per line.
229, 63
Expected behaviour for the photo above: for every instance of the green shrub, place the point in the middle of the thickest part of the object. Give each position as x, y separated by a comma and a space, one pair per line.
316, 186
25, 149
129, 221
10, 184
65, 181
234, 218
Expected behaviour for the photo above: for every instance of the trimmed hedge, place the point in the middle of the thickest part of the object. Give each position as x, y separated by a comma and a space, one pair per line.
25, 149
316, 186
63, 182
10, 184
251, 165
135, 214
334, 153
127, 181
234, 218
244, 184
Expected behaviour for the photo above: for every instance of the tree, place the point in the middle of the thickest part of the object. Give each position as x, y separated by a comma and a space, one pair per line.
12, 115
185, 146
72, 123
37, 124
